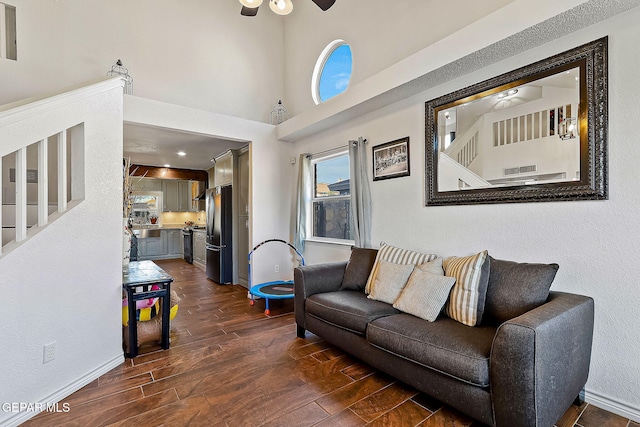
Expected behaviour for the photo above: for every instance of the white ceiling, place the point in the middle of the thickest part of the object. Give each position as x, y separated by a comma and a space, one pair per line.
156, 146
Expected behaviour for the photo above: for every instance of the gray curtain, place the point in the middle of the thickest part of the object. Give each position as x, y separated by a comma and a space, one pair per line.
360, 193
304, 196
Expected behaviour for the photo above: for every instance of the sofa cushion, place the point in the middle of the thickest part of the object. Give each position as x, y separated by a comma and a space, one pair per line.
425, 294
445, 345
467, 297
515, 288
358, 268
350, 310
390, 281
398, 256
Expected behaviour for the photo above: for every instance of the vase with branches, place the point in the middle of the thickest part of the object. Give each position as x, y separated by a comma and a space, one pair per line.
129, 179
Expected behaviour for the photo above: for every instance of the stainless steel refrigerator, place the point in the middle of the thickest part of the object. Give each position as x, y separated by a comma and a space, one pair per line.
219, 254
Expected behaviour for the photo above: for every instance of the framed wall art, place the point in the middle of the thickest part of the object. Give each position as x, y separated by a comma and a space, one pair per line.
391, 159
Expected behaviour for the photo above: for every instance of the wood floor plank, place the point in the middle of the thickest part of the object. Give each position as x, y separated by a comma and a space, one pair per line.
48, 419
193, 412
407, 414
359, 370
446, 417
354, 392
345, 418
310, 369
376, 404
596, 417
305, 416
100, 417
87, 395
569, 418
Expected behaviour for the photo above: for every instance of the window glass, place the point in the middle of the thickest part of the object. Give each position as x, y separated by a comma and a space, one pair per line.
332, 72
331, 205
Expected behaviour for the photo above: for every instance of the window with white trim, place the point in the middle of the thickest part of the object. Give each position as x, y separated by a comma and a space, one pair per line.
332, 72
330, 204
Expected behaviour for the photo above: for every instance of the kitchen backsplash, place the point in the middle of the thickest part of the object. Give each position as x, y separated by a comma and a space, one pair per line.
179, 218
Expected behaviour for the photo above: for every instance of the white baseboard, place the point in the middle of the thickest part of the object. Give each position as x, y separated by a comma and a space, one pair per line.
611, 405
65, 391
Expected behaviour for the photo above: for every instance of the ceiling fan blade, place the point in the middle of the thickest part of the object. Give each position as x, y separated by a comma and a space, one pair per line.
249, 11
324, 4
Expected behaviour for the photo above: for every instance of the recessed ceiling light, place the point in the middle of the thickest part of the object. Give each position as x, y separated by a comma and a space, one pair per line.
181, 153
167, 166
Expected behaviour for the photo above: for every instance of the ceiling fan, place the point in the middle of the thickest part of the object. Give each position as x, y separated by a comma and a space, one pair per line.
281, 7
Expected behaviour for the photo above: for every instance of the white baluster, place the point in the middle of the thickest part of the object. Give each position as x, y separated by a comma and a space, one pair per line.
62, 171
21, 194
43, 183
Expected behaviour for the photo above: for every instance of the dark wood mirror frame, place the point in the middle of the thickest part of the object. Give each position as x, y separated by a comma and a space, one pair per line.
591, 59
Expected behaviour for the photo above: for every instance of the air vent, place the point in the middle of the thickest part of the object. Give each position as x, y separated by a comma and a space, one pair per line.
512, 171
526, 169
521, 169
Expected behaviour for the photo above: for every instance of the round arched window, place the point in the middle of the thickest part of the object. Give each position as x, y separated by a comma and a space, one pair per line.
332, 72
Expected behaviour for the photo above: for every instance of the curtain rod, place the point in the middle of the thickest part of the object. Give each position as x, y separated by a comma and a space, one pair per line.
330, 149
337, 148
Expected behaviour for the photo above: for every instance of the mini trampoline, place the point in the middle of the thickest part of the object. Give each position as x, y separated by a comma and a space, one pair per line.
279, 289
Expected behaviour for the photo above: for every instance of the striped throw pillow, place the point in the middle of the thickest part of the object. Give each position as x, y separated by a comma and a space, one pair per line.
396, 255
467, 297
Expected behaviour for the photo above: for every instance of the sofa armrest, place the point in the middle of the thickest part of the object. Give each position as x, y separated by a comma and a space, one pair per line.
540, 361
314, 279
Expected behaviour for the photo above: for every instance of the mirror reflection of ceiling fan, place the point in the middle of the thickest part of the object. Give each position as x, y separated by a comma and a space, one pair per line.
281, 7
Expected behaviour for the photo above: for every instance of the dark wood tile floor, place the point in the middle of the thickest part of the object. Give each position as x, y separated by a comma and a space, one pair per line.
230, 365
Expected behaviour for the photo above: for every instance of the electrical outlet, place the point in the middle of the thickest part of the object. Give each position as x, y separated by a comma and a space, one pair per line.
277, 269
49, 352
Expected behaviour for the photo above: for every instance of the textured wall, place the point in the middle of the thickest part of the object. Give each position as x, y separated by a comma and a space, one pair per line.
595, 242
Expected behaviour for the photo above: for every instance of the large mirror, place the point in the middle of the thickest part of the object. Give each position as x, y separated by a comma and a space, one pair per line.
538, 133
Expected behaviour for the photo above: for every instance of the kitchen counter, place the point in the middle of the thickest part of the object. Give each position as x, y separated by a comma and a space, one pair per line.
165, 227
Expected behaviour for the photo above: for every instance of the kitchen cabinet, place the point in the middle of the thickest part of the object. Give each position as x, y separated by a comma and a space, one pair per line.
178, 195
159, 243
147, 184
170, 195
151, 247
223, 173
199, 247
174, 247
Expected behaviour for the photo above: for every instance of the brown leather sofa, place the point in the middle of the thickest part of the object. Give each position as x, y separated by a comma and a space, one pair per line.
514, 369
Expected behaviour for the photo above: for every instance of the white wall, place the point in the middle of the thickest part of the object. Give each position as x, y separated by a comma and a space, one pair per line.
64, 283
595, 242
197, 53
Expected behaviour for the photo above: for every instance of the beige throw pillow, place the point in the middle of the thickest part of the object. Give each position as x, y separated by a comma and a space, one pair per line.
397, 256
433, 267
390, 280
467, 297
425, 294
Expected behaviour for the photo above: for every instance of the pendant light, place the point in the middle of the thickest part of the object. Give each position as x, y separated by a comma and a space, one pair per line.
281, 7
